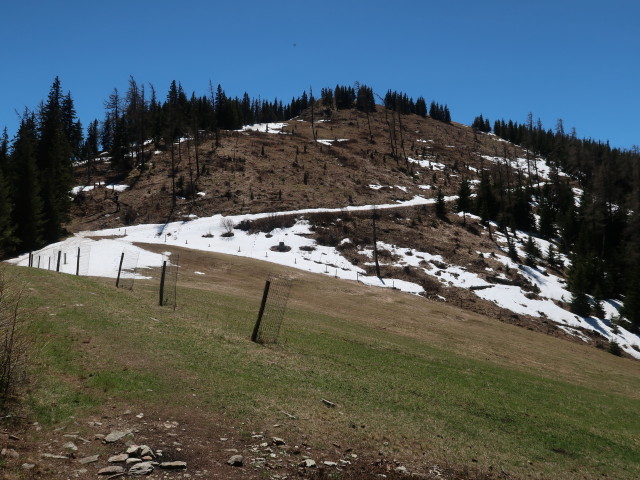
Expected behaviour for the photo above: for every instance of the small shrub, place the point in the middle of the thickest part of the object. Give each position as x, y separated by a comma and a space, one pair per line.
228, 225
614, 348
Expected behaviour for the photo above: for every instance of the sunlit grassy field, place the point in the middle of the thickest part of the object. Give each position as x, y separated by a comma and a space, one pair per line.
418, 380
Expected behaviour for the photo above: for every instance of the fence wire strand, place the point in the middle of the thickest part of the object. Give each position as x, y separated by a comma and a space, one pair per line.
274, 310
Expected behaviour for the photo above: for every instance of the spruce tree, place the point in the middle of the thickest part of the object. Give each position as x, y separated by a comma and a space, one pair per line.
441, 206
54, 156
464, 199
28, 205
7, 239
532, 252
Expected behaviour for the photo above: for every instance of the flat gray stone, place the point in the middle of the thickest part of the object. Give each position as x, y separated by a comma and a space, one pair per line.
236, 460
146, 451
173, 465
112, 470
91, 459
278, 441
142, 468
70, 446
133, 449
118, 458
132, 460
116, 435
9, 452
308, 463
51, 455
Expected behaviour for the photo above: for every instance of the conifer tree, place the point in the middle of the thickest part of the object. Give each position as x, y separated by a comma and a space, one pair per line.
464, 199
531, 251
54, 156
7, 239
28, 206
421, 107
441, 206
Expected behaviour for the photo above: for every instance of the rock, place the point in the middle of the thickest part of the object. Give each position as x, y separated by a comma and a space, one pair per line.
132, 460
328, 403
147, 458
308, 463
116, 435
181, 465
400, 469
112, 470
133, 449
51, 455
277, 441
70, 446
9, 452
91, 459
28, 466
118, 458
146, 451
236, 461
330, 464
142, 468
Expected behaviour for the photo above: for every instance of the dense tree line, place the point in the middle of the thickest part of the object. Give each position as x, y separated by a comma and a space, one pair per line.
481, 124
590, 205
36, 173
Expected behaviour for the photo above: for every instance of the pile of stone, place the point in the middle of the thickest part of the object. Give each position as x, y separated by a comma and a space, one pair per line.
138, 460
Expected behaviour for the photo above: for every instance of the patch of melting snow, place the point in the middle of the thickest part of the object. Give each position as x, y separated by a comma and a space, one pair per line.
428, 164
265, 127
329, 142
106, 253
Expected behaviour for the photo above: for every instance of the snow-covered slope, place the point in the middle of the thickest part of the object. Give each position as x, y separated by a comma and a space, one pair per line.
207, 234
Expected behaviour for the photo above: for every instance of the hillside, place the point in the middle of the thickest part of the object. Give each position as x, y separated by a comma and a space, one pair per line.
420, 387
360, 160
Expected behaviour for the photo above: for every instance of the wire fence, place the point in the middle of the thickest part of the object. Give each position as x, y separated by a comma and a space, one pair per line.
168, 288
272, 310
127, 270
73, 258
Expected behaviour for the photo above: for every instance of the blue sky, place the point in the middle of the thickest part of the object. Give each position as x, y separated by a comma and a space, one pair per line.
575, 60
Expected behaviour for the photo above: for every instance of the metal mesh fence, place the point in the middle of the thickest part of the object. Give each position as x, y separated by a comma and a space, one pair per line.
275, 306
71, 257
169, 287
128, 270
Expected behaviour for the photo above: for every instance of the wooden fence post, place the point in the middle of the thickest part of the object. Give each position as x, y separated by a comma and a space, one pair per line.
119, 269
164, 270
254, 335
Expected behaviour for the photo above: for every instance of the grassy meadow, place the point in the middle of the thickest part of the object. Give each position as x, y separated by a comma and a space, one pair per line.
416, 380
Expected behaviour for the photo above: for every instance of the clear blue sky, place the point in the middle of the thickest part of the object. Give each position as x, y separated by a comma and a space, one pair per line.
569, 59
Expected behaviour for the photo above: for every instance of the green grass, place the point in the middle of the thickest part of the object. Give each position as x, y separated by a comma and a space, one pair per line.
447, 392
